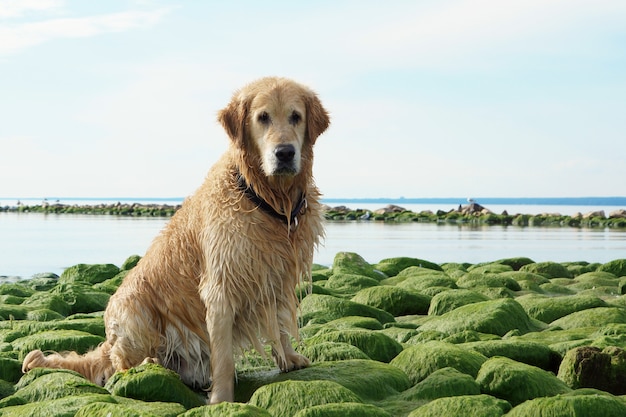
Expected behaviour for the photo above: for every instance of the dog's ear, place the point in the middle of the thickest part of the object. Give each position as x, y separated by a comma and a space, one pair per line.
234, 117
317, 119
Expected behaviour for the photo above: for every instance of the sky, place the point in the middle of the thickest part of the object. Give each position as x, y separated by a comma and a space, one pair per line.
428, 99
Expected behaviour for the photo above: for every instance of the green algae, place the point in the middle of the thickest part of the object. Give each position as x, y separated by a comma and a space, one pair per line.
375, 345
325, 308
419, 361
463, 406
396, 301
572, 405
449, 300
517, 382
57, 341
444, 382
343, 410
392, 266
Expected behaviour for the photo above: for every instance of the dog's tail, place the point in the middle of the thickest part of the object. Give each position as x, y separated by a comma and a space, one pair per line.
95, 365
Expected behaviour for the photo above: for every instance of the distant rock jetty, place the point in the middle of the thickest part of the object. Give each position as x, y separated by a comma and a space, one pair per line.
473, 214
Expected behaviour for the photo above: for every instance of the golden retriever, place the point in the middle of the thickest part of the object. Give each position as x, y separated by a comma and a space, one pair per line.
222, 274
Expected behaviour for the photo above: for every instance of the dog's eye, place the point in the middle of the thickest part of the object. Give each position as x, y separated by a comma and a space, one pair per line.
295, 118
263, 118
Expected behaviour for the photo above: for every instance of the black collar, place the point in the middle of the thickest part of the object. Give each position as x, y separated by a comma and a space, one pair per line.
291, 221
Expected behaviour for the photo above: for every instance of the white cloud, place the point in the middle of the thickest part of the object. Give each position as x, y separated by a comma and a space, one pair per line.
19, 8
16, 37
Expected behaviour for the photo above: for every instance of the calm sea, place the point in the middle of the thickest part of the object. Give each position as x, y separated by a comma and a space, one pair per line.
31, 242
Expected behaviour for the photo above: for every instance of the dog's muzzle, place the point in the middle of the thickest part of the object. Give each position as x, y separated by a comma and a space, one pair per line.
286, 163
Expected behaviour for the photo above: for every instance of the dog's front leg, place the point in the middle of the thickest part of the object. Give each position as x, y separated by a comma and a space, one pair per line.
220, 326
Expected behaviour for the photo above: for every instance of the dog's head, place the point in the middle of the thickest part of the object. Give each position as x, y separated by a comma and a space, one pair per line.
279, 119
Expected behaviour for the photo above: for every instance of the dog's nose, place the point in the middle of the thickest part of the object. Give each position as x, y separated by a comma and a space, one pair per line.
285, 153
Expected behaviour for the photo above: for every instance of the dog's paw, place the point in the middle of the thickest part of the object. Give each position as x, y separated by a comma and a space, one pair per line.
293, 362
34, 359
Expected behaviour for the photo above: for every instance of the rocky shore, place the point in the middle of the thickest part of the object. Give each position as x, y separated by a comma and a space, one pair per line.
403, 337
473, 213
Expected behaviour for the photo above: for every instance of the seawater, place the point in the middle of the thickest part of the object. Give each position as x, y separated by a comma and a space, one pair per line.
31, 243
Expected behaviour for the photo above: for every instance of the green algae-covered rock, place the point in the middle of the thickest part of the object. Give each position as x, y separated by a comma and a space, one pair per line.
572, 405
548, 309
591, 367
517, 382
130, 262
16, 290
351, 263
392, 266
332, 351
421, 360
42, 282
227, 410
286, 398
111, 285
548, 269
43, 314
349, 283
444, 382
343, 410
593, 317
6, 389
61, 407
13, 312
90, 274
368, 379
420, 279
81, 298
590, 280
131, 409
463, 406
495, 316
54, 385
528, 352
49, 301
352, 322
475, 279
375, 345
449, 300
394, 300
151, 382
57, 341
616, 267
325, 308
489, 268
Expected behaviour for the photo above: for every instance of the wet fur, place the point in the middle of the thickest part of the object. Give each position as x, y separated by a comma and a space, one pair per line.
222, 273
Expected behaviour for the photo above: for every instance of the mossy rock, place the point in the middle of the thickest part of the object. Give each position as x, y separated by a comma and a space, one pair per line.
10, 369
61, 407
352, 263
6, 389
349, 283
332, 351
131, 409
57, 341
548, 309
227, 410
325, 308
82, 298
517, 382
520, 276
111, 285
54, 385
16, 290
394, 300
286, 398
419, 361
528, 352
553, 288
473, 279
352, 322
130, 262
392, 266
516, 263
375, 345
495, 317
548, 269
43, 314
463, 406
42, 282
592, 367
23, 328
592, 317
616, 267
444, 382
489, 268
370, 380
11, 299
89, 273
420, 281
151, 382
343, 410
46, 300
572, 405
10, 312
449, 300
